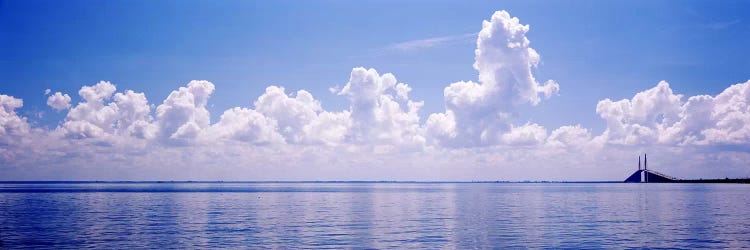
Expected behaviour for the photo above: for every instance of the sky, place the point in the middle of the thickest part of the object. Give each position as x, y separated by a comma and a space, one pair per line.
372, 90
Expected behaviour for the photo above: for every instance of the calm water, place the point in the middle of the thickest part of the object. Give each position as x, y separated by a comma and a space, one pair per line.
374, 215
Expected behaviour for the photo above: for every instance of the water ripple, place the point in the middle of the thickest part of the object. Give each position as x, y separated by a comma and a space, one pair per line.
367, 215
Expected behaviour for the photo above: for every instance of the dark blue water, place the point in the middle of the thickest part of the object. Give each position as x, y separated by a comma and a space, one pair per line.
373, 215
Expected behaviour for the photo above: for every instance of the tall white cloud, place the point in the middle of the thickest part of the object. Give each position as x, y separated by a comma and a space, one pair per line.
291, 113
11, 124
134, 115
92, 117
183, 115
730, 116
505, 61
59, 101
14, 129
381, 110
479, 113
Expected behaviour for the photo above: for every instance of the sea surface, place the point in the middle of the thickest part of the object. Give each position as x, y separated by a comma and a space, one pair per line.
373, 215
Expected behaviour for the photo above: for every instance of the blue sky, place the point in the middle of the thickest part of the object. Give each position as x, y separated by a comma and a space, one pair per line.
596, 49
593, 49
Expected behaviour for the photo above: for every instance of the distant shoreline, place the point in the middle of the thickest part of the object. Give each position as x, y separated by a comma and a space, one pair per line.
726, 180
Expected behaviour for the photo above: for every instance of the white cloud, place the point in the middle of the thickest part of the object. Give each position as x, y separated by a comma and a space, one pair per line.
548, 89
440, 128
377, 115
47, 91
134, 115
280, 118
402, 91
478, 113
245, 125
14, 129
638, 121
92, 117
101, 115
183, 114
11, 125
329, 128
97, 93
723, 119
300, 118
58, 101
291, 113
658, 116
569, 136
527, 135
505, 60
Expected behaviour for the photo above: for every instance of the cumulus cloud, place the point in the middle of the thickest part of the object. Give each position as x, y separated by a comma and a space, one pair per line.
102, 114
134, 115
381, 114
505, 61
730, 114
639, 121
381, 110
300, 118
281, 118
183, 114
59, 101
479, 113
13, 128
291, 113
92, 117
658, 116
526, 135
569, 136
330, 128
246, 125
11, 124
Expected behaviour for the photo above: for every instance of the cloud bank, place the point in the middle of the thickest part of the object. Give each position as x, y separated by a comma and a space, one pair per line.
287, 135
658, 116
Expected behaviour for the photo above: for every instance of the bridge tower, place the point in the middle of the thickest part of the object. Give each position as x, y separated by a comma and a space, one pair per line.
648, 176
637, 176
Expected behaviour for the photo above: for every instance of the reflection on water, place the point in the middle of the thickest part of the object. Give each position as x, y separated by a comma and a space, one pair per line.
373, 215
